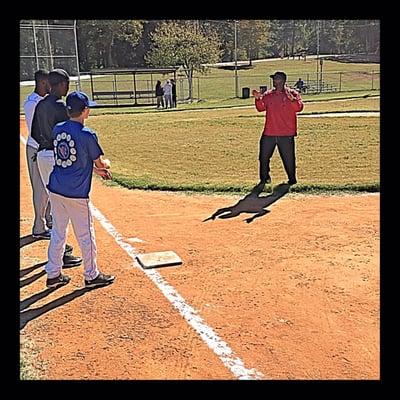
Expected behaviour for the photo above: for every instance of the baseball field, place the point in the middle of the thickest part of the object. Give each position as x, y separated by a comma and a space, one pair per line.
291, 294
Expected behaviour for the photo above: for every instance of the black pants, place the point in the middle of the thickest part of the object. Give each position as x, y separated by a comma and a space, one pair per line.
286, 151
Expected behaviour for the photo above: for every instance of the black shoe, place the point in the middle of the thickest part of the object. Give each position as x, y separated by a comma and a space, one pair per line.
71, 261
68, 249
292, 181
61, 280
259, 187
43, 235
266, 181
101, 280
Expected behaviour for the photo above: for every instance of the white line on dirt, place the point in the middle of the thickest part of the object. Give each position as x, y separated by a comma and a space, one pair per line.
213, 341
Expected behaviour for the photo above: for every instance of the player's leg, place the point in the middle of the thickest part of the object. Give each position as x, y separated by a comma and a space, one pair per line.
267, 147
39, 194
286, 147
57, 241
82, 223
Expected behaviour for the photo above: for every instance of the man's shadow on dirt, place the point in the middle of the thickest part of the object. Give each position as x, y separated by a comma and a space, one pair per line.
33, 278
26, 240
29, 315
252, 203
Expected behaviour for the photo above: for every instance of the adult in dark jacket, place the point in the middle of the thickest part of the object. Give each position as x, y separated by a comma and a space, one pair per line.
173, 83
48, 113
159, 95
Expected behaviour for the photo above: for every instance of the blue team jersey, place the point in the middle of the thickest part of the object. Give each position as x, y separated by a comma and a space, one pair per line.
75, 149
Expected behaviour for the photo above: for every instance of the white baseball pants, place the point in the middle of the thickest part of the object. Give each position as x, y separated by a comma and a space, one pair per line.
40, 196
63, 210
45, 161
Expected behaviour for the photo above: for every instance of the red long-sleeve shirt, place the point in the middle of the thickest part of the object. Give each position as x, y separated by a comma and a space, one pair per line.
280, 116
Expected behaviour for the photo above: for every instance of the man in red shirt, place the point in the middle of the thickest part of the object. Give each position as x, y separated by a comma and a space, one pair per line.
281, 105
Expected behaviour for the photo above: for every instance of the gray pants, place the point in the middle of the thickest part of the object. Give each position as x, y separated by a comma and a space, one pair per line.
168, 100
40, 197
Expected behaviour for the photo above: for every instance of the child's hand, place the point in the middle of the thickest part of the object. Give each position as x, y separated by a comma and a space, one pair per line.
104, 173
106, 162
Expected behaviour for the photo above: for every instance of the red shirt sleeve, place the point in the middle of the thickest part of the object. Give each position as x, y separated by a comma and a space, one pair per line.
297, 105
260, 104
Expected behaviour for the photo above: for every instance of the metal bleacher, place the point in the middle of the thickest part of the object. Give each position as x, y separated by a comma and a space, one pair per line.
313, 86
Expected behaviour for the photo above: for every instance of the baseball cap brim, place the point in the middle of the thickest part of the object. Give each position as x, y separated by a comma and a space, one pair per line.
277, 76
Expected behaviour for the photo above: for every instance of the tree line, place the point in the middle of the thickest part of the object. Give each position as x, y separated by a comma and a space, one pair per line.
128, 43
191, 43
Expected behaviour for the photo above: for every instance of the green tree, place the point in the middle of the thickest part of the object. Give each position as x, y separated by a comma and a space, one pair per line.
98, 39
225, 29
177, 43
252, 36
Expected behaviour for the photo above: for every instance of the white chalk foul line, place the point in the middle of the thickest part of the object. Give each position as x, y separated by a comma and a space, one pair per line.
213, 341
23, 140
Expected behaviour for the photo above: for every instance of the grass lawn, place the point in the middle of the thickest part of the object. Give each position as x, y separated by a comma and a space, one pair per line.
217, 87
218, 150
212, 144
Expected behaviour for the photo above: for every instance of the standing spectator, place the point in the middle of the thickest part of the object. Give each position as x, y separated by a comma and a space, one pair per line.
41, 205
76, 152
159, 95
48, 112
281, 105
168, 94
173, 83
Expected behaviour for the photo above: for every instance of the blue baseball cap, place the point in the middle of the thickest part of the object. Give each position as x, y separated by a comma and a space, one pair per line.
78, 101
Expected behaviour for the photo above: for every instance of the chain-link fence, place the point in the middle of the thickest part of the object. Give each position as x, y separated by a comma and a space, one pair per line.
48, 44
213, 88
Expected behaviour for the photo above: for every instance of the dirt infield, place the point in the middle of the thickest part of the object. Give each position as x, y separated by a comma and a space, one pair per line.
294, 294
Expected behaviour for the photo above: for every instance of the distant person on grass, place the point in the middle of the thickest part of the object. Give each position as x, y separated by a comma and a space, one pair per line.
42, 221
159, 95
281, 105
168, 94
76, 152
173, 83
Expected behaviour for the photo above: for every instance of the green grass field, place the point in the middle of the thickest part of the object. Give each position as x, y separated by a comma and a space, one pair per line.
217, 87
219, 83
212, 145
217, 150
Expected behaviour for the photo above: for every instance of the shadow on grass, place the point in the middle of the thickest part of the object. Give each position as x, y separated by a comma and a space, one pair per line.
252, 203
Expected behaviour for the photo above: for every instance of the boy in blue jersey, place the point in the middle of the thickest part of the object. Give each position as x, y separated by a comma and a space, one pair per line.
77, 154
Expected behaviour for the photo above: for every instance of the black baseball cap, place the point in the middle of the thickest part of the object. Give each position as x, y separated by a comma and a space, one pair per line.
279, 74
